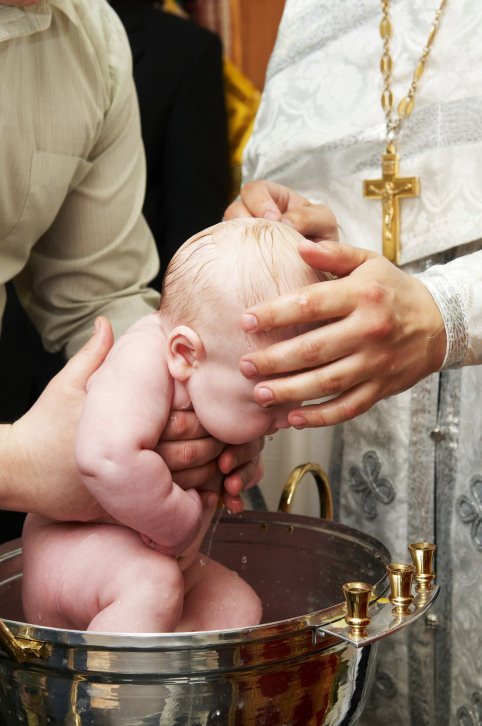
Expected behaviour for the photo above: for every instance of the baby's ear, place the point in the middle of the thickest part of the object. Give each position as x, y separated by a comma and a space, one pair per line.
184, 349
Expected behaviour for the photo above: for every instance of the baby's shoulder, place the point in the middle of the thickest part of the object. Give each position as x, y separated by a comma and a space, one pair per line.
148, 327
144, 344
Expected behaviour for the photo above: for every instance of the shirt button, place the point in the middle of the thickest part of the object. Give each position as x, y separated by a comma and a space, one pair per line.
437, 435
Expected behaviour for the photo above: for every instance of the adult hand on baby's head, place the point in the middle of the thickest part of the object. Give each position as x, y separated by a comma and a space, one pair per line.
379, 333
269, 200
43, 476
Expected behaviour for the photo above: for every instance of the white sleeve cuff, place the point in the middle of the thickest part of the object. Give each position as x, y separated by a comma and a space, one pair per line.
450, 304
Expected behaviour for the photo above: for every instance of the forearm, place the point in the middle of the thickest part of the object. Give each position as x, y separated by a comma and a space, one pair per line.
38, 474
126, 409
457, 290
38, 471
137, 489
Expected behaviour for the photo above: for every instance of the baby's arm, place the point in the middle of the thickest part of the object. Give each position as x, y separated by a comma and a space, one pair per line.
127, 407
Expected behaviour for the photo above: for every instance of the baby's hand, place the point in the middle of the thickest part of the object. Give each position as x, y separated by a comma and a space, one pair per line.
233, 504
213, 499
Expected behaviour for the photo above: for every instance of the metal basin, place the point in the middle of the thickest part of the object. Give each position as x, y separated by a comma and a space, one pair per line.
301, 666
284, 671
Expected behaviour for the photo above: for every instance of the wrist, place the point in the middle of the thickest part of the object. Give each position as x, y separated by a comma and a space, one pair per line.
12, 471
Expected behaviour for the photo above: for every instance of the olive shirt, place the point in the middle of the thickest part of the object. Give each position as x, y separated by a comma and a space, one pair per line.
73, 171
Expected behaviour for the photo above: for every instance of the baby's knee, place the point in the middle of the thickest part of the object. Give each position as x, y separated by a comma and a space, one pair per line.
218, 598
166, 573
247, 605
156, 577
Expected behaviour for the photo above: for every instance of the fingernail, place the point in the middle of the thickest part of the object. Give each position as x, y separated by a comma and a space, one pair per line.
298, 422
270, 214
264, 395
249, 322
96, 326
211, 500
287, 221
248, 369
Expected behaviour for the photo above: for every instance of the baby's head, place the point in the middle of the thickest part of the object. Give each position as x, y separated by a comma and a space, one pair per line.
210, 281
233, 265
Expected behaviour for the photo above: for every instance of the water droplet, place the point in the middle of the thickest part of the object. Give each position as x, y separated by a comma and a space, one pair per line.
214, 526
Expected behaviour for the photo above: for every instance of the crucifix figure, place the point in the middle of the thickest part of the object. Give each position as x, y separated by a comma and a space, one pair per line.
390, 188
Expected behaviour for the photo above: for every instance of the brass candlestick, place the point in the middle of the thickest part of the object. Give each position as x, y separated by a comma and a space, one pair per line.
400, 575
422, 556
357, 597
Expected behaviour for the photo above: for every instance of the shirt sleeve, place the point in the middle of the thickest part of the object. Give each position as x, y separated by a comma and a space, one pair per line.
99, 255
456, 288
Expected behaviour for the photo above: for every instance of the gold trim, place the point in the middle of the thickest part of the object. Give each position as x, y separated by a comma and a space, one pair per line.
322, 483
21, 649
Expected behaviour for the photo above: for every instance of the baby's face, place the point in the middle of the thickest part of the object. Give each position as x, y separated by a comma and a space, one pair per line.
224, 400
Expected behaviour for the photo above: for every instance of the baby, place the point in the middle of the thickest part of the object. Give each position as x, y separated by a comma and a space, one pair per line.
142, 572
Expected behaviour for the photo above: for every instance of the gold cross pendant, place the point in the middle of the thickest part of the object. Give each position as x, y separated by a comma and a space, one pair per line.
390, 188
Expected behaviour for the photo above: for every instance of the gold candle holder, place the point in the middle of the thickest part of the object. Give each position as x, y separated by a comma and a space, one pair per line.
357, 597
422, 556
400, 575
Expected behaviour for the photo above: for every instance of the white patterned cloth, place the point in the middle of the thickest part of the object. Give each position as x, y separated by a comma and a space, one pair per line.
411, 468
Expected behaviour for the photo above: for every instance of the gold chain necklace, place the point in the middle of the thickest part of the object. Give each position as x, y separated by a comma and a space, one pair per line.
392, 187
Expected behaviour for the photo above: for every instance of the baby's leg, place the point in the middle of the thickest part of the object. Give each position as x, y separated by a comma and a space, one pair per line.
98, 577
216, 598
